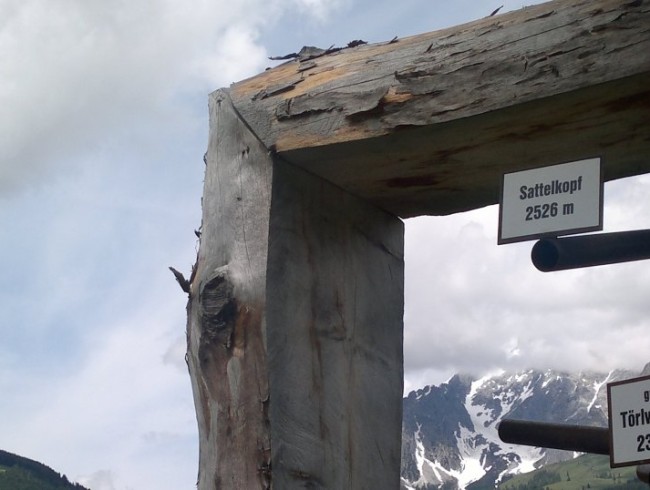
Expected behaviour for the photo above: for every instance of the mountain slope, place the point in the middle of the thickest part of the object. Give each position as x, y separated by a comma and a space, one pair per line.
19, 473
449, 433
590, 471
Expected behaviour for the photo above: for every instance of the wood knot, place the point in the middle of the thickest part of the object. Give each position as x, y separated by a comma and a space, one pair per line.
218, 310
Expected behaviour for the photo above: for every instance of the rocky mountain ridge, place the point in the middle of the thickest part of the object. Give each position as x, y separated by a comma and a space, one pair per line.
449, 432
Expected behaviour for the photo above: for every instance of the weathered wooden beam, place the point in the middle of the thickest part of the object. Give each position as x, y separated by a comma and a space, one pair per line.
294, 325
427, 124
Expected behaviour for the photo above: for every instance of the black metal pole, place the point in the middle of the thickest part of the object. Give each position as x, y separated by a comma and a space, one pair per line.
579, 438
555, 254
643, 473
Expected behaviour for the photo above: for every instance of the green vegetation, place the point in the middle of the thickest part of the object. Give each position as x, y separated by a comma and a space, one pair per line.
18, 473
587, 472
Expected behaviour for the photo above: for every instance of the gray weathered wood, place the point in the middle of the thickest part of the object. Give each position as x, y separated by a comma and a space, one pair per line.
226, 337
335, 293
295, 311
427, 124
288, 261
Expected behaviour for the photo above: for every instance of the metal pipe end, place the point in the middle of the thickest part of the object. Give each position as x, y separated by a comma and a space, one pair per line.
643, 473
545, 255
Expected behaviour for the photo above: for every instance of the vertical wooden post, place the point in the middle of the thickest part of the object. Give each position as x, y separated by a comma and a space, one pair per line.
226, 352
294, 325
335, 288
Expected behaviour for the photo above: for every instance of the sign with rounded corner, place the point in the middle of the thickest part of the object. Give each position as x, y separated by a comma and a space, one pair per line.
551, 201
629, 421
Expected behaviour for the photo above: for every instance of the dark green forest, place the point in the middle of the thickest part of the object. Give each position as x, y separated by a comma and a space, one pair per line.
19, 473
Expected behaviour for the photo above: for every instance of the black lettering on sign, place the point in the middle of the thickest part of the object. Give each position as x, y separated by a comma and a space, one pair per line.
541, 211
644, 443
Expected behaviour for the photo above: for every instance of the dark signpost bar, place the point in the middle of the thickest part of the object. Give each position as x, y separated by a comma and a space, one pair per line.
556, 254
584, 439
579, 438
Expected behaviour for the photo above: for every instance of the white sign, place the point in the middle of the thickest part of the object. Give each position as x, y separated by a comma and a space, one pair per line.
551, 201
629, 422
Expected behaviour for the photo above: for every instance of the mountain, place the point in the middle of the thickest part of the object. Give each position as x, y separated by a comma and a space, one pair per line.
449, 432
19, 473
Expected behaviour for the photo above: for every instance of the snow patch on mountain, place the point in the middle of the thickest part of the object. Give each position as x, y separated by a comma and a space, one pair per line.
471, 454
430, 471
450, 433
597, 387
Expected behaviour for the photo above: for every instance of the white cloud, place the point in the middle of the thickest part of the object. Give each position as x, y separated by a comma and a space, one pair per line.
472, 306
321, 9
99, 480
122, 391
175, 354
76, 74
236, 56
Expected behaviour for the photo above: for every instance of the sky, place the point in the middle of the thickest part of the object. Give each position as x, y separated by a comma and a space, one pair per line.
103, 126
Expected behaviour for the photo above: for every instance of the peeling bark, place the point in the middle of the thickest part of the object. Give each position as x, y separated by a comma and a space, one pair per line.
374, 113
